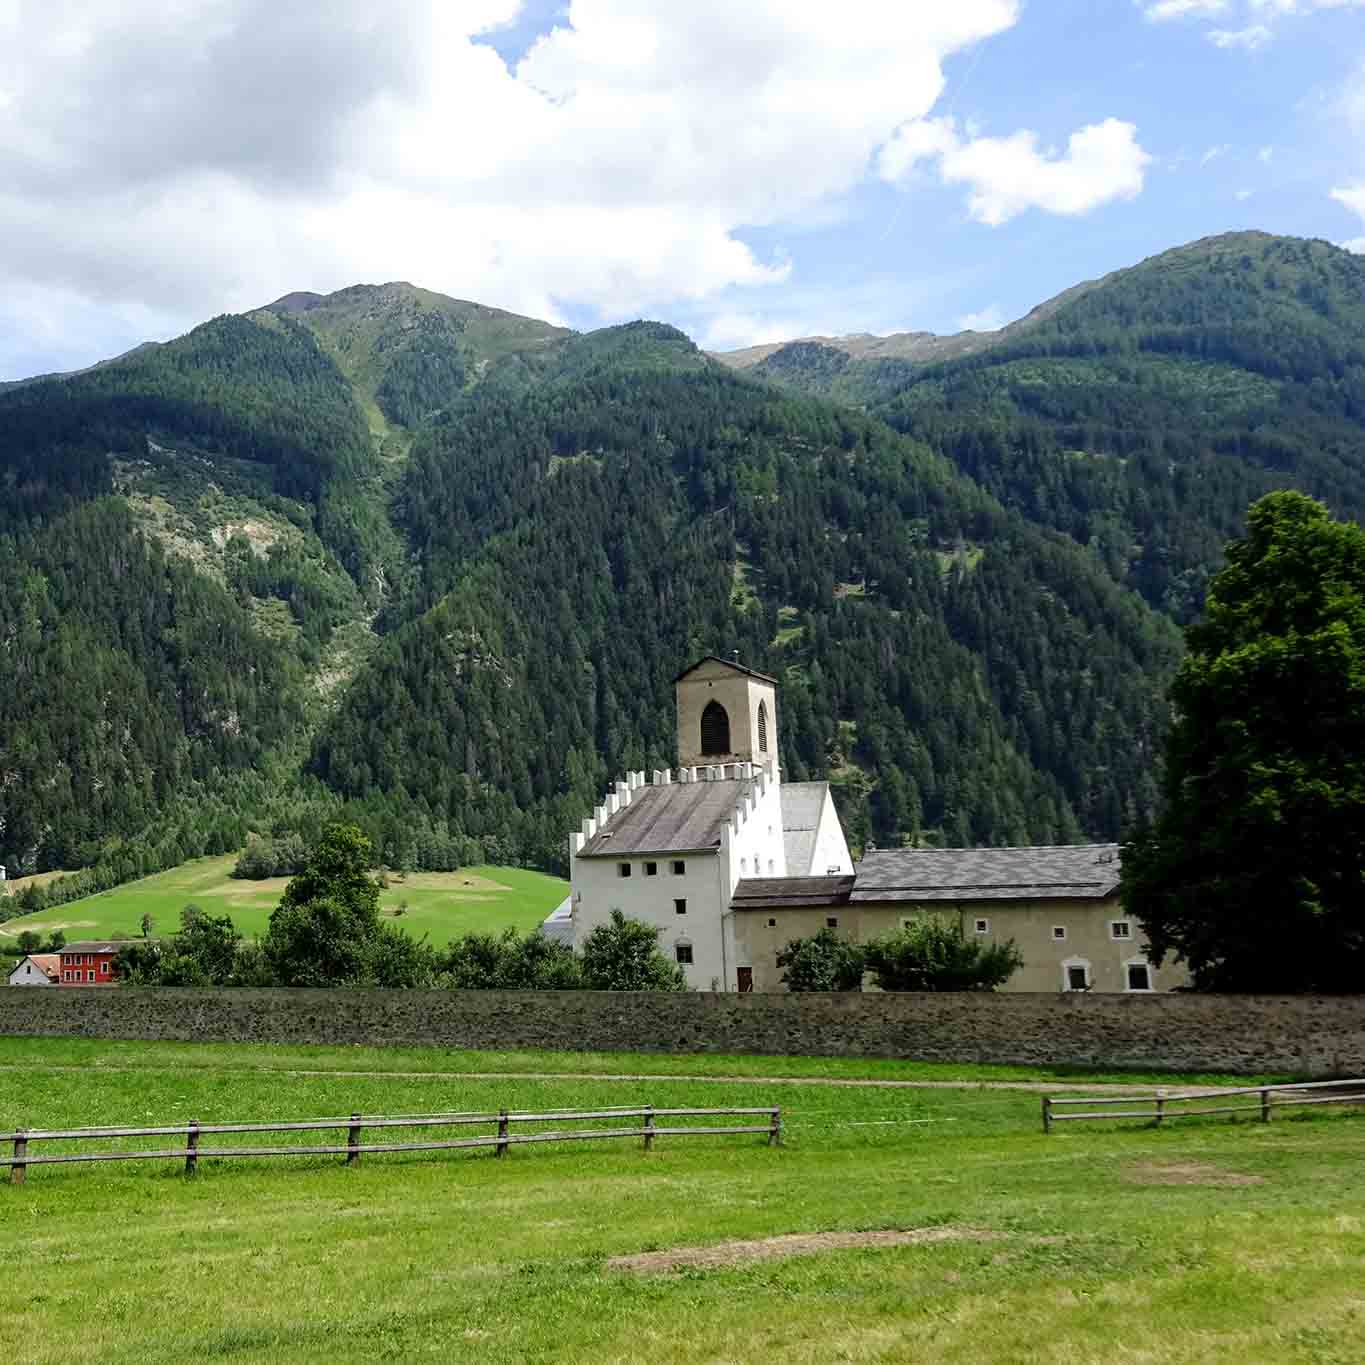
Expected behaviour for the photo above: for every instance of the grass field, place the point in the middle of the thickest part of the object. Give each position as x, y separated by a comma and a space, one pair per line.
1213, 1241
442, 905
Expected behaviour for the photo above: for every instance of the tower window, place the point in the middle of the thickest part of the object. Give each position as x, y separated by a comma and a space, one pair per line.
679, 907
679, 868
683, 952
763, 727
623, 869
651, 869
715, 729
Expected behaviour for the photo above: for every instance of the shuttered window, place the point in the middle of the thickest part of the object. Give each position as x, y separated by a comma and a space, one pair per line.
715, 729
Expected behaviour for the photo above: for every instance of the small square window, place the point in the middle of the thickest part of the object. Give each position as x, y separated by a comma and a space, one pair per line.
1059, 932
104, 967
1139, 976
623, 869
1120, 928
772, 924
983, 926
679, 868
679, 907
1077, 978
651, 869
832, 923
683, 952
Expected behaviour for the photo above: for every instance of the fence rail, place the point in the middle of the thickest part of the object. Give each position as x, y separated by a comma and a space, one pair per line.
1161, 1102
502, 1139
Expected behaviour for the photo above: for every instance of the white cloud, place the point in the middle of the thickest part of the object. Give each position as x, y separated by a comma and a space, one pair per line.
1214, 153
1260, 16
988, 319
1352, 198
1008, 175
1241, 196
1265, 155
1249, 38
215, 154
1181, 9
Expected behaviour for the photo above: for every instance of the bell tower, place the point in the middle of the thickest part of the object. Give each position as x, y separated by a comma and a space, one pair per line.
726, 714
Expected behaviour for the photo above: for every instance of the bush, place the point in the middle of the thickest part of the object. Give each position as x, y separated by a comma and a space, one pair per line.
931, 953
822, 962
623, 955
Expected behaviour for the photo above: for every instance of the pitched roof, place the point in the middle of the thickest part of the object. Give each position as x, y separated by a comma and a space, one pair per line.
802, 803
558, 924
1047, 872
47, 963
95, 945
729, 663
787, 893
679, 817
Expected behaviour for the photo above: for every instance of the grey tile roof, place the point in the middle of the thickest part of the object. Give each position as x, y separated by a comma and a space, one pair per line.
801, 805
680, 817
92, 945
1056, 871
557, 926
767, 893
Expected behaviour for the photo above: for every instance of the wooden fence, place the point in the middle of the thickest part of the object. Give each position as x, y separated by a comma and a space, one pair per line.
501, 1139
1163, 1104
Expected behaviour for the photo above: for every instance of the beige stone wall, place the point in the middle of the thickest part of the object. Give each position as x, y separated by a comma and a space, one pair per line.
1297, 1035
740, 695
1088, 926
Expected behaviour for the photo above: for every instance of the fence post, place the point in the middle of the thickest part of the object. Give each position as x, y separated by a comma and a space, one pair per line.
20, 1168
775, 1132
649, 1127
1047, 1113
1160, 1107
502, 1132
353, 1140
192, 1147
1265, 1106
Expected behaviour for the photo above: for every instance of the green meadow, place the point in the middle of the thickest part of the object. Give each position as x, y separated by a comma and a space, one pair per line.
935, 1223
442, 905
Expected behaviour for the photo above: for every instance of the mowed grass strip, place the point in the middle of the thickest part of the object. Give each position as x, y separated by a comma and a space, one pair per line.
1115, 1243
441, 905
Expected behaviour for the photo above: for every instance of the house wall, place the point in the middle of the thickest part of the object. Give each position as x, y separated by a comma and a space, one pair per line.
1089, 938
740, 695
1257, 1034
26, 974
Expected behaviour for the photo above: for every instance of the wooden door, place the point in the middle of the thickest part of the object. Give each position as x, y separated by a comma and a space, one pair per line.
745, 977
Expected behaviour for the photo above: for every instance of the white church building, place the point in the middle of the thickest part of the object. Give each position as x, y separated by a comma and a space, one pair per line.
671, 847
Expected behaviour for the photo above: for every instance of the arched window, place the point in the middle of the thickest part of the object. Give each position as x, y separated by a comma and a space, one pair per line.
715, 729
763, 727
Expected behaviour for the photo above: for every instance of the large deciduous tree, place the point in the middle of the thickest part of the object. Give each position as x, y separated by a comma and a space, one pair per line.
1254, 872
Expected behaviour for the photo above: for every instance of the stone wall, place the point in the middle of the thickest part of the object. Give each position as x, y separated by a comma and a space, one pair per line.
1304, 1035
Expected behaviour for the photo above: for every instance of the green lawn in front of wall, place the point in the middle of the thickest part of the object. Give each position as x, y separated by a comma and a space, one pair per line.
1212, 1241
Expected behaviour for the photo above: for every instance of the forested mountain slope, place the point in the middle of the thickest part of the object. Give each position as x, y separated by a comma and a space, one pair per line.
441, 563
1143, 414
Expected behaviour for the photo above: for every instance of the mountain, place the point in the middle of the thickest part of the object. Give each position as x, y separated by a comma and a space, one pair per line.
433, 565
1141, 414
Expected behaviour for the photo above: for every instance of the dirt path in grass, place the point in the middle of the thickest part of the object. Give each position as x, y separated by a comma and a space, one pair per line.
791, 1244
1031, 1087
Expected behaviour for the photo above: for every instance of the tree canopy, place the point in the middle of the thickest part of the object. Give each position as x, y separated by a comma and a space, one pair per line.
623, 955
1253, 872
931, 953
822, 962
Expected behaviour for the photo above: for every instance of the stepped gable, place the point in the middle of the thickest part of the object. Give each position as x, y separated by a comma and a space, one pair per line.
791, 893
670, 818
1048, 872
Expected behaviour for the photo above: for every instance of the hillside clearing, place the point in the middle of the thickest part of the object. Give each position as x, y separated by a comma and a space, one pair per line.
893, 1225
442, 905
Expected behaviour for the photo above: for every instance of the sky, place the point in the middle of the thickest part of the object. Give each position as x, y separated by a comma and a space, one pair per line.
749, 170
